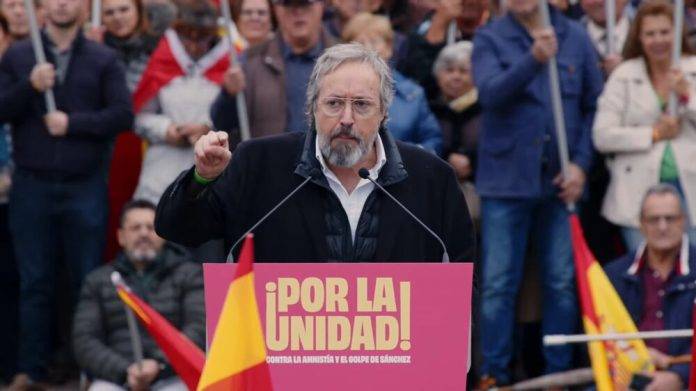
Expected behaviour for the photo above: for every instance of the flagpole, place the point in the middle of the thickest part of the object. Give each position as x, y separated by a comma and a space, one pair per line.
241, 100
557, 104
610, 12
676, 50
96, 13
451, 32
136, 342
38, 50
551, 340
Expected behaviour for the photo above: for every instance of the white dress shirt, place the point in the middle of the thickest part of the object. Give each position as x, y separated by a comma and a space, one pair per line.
354, 202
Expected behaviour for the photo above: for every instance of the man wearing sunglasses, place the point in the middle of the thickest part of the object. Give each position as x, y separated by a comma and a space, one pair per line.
656, 283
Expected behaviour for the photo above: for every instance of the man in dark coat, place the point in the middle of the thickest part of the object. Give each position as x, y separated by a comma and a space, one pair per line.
656, 283
58, 201
337, 216
163, 276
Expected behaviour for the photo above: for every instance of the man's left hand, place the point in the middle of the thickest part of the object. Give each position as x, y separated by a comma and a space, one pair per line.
572, 185
57, 123
665, 381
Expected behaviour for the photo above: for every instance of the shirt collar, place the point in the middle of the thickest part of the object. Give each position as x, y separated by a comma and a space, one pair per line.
312, 54
374, 171
681, 267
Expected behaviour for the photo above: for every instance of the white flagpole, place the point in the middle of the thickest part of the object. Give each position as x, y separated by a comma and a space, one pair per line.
451, 32
676, 49
550, 340
38, 50
241, 101
96, 13
556, 102
610, 12
136, 342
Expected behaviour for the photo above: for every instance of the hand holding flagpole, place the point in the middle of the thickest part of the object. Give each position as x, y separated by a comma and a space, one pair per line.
241, 101
557, 104
676, 50
38, 50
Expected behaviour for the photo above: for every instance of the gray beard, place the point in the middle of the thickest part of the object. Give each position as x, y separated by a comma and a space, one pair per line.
144, 256
345, 154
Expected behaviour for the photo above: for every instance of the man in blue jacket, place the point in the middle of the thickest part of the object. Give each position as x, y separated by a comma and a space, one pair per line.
518, 173
58, 198
657, 283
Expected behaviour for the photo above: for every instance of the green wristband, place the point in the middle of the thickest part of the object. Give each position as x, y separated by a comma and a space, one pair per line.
199, 179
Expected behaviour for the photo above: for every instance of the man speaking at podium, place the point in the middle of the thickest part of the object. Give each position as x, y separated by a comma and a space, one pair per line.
334, 210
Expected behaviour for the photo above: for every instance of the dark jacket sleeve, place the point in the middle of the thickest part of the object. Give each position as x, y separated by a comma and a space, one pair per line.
418, 62
91, 353
114, 117
593, 84
191, 214
16, 91
223, 112
498, 86
459, 228
193, 305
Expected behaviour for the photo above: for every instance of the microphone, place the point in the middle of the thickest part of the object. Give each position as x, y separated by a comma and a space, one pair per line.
312, 174
365, 174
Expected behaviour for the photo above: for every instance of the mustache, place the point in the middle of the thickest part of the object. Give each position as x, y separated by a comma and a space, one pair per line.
344, 131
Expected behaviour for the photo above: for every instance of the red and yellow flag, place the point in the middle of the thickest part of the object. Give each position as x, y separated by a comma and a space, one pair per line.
184, 356
613, 362
237, 356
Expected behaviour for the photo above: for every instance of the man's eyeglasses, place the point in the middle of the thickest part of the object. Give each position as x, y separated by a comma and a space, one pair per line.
655, 220
334, 106
249, 13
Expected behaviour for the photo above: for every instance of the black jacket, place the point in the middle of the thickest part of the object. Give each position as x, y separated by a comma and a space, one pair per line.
172, 285
94, 95
264, 170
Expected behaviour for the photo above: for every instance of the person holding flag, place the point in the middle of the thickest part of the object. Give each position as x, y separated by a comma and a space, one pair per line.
174, 96
519, 170
656, 283
644, 144
161, 273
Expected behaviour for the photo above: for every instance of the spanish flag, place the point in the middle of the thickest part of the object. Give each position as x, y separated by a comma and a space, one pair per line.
237, 355
613, 362
184, 356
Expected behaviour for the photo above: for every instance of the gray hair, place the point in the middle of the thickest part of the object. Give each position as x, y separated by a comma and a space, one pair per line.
662, 189
338, 55
459, 52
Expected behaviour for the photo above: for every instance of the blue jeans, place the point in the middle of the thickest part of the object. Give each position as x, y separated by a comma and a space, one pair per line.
506, 225
51, 220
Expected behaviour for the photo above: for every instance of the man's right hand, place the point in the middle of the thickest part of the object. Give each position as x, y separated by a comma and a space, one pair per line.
43, 77
545, 45
212, 154
141, 376
234, 80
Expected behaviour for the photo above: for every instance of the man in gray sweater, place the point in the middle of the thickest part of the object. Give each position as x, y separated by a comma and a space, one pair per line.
163, 276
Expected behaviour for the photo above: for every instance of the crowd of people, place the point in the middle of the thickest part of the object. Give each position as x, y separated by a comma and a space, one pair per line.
470, 86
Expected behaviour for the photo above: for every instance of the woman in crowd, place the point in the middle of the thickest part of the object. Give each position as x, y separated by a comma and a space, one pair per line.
643, 143
457, 110
410, 118
254, 20
126, 29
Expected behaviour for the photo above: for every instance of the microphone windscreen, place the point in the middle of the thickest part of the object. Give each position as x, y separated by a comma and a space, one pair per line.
364, 173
